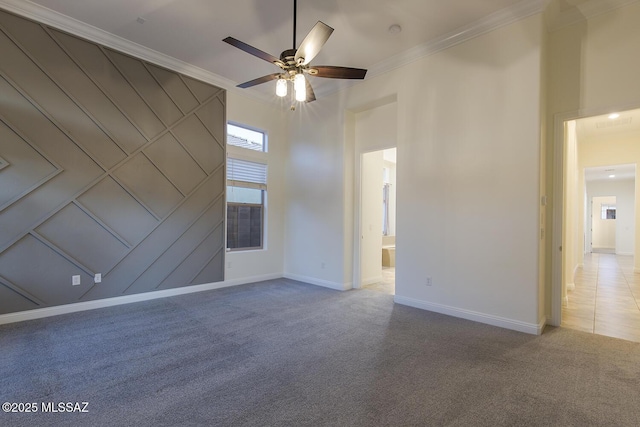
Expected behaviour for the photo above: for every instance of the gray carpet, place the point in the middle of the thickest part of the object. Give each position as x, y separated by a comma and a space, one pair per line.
284, 353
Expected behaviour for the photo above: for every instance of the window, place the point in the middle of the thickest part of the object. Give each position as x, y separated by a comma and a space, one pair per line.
246, 190
246, 138
608, 211
245, 215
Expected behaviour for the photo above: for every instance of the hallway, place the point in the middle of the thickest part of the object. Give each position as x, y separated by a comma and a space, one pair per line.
606, 298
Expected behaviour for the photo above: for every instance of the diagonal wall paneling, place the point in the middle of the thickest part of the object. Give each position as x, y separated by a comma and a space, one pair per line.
109, 165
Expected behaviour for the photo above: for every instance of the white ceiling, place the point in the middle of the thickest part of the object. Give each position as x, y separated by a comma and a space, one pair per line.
192, 30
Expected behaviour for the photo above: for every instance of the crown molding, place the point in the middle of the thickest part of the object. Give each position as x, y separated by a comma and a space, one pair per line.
585, 11
501, 18
41, 14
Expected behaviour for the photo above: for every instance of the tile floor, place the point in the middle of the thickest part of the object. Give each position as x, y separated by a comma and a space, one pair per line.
606, 298
388, 284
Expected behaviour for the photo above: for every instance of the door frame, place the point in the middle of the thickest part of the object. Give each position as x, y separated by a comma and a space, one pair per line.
357, 213
559, 199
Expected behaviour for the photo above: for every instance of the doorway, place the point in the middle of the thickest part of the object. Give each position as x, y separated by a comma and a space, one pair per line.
374, 132
597, 288
378, 221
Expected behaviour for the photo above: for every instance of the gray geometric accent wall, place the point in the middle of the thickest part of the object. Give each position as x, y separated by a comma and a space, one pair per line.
108, 164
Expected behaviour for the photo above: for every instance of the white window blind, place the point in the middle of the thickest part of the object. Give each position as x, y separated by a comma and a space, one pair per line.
243, 137
242, 173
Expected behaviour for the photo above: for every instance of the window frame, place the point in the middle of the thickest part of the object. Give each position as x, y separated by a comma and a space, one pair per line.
265, 139
254, 156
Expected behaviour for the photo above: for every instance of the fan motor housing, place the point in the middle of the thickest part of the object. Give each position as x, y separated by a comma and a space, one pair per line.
288, 57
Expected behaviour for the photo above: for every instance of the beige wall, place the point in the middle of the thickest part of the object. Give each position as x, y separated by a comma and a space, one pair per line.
468, 138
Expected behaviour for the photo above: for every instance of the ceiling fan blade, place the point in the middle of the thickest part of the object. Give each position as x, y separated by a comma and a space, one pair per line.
310, 95
259, 80
313, 42
331, 72
252, 50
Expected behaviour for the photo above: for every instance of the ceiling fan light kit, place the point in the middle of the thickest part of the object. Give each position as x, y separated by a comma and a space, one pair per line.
281, 87
295, 63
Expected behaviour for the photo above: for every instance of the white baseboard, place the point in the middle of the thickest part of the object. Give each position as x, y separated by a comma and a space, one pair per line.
625, 253
489, 319
319, 282
253, 279
127, 299
541, 324
371, 280
603, 250
575, 271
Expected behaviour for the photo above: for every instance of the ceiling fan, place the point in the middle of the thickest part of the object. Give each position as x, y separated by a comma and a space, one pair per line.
295, 63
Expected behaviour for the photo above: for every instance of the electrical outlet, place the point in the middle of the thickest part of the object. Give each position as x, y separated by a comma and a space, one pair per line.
322, 265
429, 281
75, 280
228, 264
97, 278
